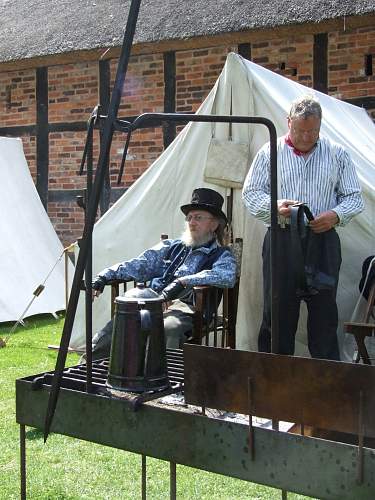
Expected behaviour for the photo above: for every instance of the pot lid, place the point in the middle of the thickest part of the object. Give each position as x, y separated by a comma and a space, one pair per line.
140, 293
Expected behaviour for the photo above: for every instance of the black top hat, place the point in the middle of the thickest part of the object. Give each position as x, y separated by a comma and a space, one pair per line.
206, 199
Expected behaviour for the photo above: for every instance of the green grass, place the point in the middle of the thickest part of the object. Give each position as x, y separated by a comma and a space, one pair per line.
69, 469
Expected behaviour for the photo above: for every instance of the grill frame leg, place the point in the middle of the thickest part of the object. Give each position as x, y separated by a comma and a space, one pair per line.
172, 480
144, 477
23, 462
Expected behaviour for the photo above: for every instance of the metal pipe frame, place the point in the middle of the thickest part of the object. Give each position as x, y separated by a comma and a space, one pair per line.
111, 123
93, 201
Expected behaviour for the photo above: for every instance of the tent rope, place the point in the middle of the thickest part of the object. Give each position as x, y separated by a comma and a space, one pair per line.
39, 289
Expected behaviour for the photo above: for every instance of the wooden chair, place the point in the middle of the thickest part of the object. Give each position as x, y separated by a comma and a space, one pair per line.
364, 329
214, 329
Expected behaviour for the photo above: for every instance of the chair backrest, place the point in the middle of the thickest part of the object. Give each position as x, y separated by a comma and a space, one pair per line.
230, 296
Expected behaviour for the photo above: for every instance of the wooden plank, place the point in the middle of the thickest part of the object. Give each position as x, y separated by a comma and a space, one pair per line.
367, 102
42, 139
169, 128
319, 393
244, 50
320, 62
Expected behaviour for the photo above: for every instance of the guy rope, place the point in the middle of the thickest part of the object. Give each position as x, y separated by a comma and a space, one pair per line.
39, 289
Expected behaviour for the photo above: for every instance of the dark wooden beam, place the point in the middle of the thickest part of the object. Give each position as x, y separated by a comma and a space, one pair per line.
320, 62
169, 129
70, 195
67, 127
244, 50
64, 195
18, 130
104, 98
42, 142
367, 102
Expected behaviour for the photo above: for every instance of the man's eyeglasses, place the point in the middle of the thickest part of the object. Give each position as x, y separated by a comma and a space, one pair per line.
197, 218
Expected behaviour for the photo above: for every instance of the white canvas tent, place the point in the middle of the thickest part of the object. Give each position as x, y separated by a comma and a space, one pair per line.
151, 206
29, 244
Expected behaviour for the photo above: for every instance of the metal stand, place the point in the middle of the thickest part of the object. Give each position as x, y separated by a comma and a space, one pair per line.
23, 461
144, 477
172, 481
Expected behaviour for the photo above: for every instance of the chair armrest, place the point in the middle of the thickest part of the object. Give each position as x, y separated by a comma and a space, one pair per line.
115, 292
201, 294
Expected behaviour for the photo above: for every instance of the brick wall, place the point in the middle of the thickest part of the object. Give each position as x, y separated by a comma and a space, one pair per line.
18, 107
65, 154
73, 93
144, 93
67, 219
29, 148
196, 73
17, 98
346, 63
291, 57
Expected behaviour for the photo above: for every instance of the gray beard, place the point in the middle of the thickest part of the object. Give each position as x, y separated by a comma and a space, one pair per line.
191, 241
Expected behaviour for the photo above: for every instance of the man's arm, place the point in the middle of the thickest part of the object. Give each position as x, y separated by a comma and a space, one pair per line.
256, 190
349, 198
222, 274
143, 268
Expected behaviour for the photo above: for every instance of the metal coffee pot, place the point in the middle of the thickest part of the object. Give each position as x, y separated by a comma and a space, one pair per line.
138, 360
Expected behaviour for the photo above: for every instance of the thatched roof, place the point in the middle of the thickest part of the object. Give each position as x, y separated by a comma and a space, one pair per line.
32, 28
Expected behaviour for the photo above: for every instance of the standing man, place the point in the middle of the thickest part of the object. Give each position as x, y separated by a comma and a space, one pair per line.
319, 173
174, 267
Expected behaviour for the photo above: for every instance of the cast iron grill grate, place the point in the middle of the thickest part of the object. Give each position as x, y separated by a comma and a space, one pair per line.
75, 378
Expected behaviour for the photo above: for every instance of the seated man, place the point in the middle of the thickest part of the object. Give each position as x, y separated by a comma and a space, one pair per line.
173, 267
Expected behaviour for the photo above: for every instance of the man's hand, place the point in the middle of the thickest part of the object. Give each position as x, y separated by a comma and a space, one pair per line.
98, 286
324, 222
283, 207
173, 290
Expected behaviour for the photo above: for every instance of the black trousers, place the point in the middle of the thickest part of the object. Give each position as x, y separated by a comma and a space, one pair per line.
322, 308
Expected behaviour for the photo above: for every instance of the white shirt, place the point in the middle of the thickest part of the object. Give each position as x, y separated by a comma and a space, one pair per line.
325, 180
